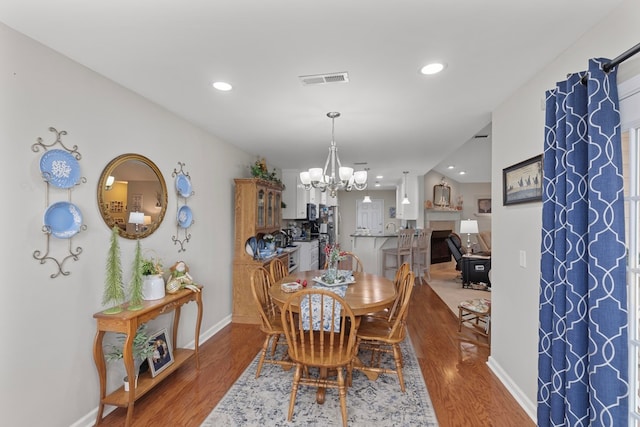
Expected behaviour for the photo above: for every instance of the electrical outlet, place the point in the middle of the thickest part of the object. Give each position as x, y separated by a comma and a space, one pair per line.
523, 259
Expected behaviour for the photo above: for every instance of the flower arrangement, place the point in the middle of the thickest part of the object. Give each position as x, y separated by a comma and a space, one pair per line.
268, 238
334, 255
151, 266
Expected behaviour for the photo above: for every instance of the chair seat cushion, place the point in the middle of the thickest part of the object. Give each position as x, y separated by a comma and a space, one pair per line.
478, 305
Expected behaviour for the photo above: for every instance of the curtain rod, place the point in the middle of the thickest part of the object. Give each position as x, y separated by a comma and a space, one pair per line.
621, 58
616, 61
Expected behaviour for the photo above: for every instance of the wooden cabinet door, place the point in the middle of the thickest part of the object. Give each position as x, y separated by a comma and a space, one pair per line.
270, 208
277, 211
260, 207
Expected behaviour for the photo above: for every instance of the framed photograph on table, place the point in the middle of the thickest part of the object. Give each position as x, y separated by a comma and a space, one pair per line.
162, 356
522, 182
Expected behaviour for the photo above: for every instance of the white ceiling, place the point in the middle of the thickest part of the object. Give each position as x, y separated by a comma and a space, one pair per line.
393, 118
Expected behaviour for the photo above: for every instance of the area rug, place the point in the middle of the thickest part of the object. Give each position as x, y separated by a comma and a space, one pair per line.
265, 401
448, 285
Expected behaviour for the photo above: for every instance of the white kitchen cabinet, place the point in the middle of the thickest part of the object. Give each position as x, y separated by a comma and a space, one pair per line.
412, 210
294, 195
309, 254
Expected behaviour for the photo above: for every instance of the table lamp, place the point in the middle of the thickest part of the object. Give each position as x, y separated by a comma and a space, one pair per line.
469, 226
136, 218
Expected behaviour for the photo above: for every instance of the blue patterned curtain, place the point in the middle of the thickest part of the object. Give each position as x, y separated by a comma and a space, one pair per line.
582, 360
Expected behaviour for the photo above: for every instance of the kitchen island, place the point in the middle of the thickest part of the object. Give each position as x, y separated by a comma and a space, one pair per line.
369, 249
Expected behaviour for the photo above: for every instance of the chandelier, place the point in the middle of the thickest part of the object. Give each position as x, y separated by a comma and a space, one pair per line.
327, 178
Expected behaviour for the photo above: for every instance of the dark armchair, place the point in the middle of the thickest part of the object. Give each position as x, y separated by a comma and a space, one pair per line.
455, 247
474, 268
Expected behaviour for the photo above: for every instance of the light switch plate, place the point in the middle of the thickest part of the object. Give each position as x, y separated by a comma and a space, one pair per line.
523, 259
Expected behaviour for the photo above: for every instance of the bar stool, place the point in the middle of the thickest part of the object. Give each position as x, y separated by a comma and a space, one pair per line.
403, 249
420, 256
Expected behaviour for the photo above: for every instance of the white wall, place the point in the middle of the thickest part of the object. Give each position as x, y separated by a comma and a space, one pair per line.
47, 374
518, 133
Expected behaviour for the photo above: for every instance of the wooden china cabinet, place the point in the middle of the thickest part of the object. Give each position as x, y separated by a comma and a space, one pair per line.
257, 212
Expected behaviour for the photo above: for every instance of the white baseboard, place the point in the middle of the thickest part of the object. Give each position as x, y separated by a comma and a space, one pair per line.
89, 419
529, 407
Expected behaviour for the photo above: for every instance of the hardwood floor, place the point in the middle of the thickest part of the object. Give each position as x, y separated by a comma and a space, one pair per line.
463, 390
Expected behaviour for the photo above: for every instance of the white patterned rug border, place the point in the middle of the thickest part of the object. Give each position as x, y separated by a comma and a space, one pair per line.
265, 401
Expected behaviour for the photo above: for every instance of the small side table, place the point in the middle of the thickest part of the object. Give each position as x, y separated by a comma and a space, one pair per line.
127, 322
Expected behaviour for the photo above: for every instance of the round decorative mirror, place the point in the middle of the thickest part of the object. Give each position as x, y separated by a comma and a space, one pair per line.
132, 195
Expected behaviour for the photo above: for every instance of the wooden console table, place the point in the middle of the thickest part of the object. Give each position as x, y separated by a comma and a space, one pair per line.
127, 322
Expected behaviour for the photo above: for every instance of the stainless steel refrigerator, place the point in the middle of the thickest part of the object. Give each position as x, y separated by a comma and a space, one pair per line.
329, 222
333, 222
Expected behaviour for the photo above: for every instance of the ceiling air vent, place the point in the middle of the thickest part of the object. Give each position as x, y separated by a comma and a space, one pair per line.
318, 79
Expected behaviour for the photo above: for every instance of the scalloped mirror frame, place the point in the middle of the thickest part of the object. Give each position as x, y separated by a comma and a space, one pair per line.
122, 169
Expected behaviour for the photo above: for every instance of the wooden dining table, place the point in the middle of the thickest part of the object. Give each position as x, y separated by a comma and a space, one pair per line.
369, 294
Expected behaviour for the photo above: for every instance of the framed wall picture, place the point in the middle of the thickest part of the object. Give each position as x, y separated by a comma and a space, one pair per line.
162, 356
483, 205
136, 203
522, 182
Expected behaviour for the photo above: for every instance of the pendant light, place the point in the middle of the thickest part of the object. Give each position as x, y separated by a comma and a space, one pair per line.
366, 199
405, 200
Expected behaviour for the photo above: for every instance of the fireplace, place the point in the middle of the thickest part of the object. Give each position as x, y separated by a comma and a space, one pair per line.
439, 249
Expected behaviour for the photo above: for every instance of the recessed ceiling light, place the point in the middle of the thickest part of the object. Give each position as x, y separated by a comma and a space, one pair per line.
377, 184
379, 177
433, 68
451, 167
463, 173
223, 86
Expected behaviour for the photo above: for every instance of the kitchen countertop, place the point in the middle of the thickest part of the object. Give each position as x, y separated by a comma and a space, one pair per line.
375, 235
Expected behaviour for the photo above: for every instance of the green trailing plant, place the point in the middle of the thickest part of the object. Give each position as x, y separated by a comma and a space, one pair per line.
135, 286
114, 288
142, 348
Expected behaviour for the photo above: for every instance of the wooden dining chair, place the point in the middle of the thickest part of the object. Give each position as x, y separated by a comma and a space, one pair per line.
278, 269
397, 282
379, 335
322, 335
270, 319
351, 262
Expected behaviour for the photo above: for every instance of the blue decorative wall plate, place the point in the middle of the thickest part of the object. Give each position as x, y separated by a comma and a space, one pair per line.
60, 168
183, 185
63, 219
185, 216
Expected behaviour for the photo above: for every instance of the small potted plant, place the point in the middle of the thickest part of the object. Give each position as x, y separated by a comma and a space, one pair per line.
152, 281
142, 349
